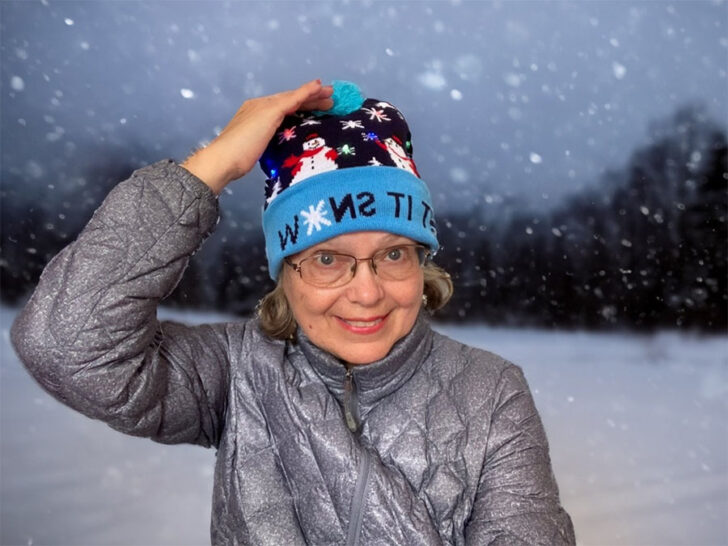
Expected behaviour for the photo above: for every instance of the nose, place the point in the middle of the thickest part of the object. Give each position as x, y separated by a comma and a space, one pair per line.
366, 287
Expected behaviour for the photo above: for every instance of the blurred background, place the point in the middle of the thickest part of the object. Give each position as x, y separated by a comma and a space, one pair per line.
576, 152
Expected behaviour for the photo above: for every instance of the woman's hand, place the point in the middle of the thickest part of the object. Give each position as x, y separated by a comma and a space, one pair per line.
236, 150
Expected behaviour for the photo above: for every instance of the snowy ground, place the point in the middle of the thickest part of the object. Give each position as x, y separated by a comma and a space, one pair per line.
638, 427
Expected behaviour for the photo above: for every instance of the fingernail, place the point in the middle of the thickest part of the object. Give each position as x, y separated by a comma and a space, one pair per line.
318, 80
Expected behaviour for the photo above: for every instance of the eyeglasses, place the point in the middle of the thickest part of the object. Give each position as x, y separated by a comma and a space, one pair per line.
326, 269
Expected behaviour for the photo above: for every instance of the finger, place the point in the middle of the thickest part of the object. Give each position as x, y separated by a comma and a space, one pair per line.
318, 104
308, 91
293, 99
325, 91
320, 100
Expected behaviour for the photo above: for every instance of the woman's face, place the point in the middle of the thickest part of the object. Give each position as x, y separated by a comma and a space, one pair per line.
360, 321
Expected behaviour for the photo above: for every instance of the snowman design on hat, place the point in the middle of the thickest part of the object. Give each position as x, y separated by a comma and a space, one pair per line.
393, 145
315, 159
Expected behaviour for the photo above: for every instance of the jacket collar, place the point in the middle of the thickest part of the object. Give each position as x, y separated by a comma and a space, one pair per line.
376, 380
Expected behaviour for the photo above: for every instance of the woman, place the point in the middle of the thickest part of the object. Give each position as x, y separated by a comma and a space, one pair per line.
339, 416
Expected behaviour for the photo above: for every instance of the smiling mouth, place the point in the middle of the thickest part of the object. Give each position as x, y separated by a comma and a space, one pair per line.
364, 325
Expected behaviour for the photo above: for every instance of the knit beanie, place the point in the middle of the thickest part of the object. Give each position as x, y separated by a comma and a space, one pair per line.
339, 171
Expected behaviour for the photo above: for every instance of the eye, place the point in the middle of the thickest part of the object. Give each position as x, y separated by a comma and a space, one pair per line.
395, 254
325, 259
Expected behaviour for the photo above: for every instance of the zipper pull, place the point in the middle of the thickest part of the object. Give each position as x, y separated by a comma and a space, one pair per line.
351, 401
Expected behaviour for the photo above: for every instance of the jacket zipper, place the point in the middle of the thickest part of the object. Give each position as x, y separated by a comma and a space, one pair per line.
357, 503
351, 413
351, 401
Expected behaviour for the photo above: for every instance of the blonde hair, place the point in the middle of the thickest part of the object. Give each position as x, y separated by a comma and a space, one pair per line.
276, 317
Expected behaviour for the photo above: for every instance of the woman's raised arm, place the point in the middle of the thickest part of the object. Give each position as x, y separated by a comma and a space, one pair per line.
89, 333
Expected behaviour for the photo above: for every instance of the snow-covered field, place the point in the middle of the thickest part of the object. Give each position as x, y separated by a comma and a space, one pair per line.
638, 426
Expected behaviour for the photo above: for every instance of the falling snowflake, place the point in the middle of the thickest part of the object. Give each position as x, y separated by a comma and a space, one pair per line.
346, 150
351, 124
619, 70
287, 134
17, 83
379, 115
310, 121
315, 217
369, 136
383, 104
374, 161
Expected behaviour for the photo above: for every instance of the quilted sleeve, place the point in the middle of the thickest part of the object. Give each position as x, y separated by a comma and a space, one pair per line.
89, 333
517, 499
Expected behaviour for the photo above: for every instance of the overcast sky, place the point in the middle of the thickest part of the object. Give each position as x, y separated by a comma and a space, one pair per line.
528, 99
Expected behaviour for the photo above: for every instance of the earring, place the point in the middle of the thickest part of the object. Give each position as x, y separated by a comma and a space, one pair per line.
424, 300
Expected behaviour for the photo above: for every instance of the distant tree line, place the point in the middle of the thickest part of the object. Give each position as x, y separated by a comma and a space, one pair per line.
645, 248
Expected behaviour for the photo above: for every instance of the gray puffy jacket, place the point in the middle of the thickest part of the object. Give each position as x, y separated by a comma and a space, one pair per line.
450, 448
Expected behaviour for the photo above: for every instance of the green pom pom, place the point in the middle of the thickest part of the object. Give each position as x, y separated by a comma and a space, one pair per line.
347, 98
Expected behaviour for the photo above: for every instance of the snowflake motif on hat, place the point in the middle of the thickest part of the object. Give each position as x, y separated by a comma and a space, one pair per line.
384, 104
351, 124
310, 121
379, 115
345, 149
367, 137
315, 217
277, 188
287, 134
